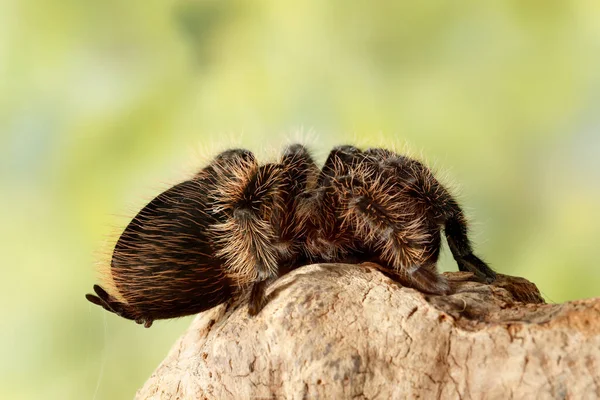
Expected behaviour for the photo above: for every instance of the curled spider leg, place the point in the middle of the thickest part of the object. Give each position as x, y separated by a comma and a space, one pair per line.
439, 206
407, 243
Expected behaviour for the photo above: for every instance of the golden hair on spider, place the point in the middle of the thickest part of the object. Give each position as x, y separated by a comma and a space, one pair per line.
238, 225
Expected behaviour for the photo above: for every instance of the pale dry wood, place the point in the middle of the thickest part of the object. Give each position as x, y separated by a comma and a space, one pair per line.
348, 331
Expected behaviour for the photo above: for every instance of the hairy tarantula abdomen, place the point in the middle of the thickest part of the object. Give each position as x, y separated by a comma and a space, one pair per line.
237, 225
231, 227
164, 263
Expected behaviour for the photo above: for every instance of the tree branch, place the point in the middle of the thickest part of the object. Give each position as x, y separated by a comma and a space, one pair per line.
340, 331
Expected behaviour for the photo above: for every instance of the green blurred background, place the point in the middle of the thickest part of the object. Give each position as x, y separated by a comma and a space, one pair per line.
105, 103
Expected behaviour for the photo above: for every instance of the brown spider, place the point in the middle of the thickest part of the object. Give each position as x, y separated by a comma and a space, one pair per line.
238, 224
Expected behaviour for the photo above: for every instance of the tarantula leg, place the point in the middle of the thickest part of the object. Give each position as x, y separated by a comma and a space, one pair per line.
474, 264
396, 231
339, 162
226, 163
427, 280
246, 235
460, 246
420, 184
298, 169
298, 176
257, 297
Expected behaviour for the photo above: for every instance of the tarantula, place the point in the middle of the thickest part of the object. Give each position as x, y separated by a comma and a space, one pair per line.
238, 225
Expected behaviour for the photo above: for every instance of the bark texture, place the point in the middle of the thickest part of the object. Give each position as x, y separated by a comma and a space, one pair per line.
348, 331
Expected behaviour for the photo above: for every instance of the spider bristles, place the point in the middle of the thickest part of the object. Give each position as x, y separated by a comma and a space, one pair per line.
237, 224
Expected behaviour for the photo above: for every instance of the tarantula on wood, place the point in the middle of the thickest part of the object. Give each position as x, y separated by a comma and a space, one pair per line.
238, 225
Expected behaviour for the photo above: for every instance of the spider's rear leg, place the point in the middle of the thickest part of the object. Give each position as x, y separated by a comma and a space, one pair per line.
258, 297
246, 236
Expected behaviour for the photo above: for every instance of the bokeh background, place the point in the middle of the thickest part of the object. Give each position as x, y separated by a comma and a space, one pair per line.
105, 103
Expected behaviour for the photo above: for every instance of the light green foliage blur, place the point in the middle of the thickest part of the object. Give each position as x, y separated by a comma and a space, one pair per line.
103, 104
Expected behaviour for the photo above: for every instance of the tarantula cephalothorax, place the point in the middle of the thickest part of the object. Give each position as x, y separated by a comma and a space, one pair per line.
238, 224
